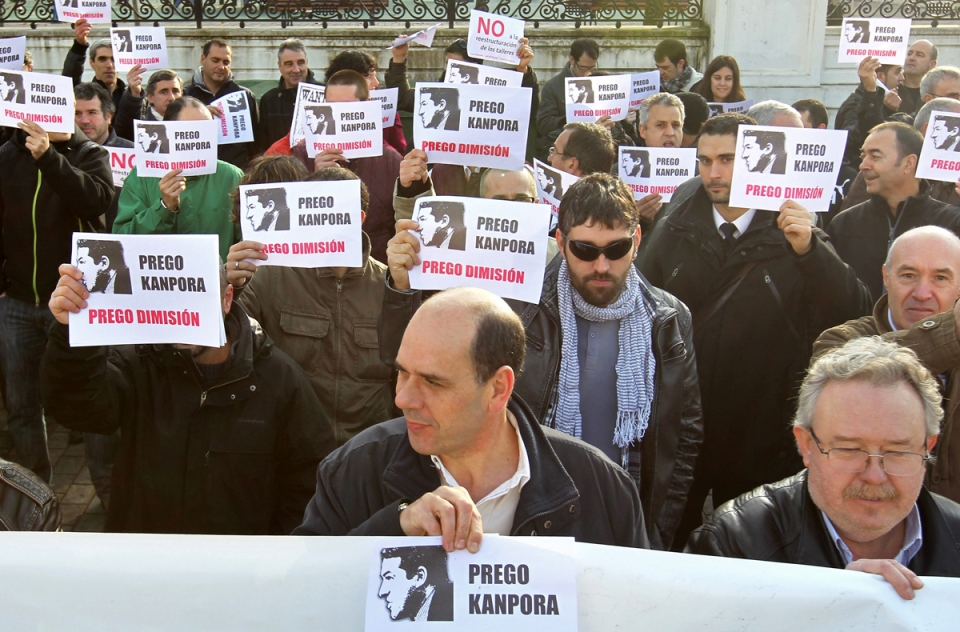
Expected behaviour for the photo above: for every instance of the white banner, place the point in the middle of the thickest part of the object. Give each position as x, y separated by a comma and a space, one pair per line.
590, 98
121, 163
93, 11
11, 52
473, 126
307, 584
388, 104
47, 100
163, 146
494, 37
354, 127
885, 39
551, 185
424, 38
776, 164
645, 84
145, 46
304, 224
236, 123
307, 94
479, 74
940, 156
495, 245
148, 289
656, 170
737, 107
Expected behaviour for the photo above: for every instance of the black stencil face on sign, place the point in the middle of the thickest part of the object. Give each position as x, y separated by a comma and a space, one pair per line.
103, 266
415, 584
764, 152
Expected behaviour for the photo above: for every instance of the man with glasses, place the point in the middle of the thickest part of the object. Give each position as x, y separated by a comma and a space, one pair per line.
600, 344
582, 149
552, 115
761, 286
868, 416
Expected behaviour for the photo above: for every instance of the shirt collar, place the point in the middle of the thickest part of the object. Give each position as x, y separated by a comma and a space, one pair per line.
742, 223
893, 325
912, 539
518, 480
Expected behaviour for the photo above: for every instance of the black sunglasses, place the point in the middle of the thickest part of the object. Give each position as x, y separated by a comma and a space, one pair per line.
588, 252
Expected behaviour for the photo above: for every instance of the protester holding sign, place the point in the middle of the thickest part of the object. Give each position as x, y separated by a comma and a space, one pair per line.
163, 87
178, 204
721, 81
403, 477
552, 116
101, 61
277, 104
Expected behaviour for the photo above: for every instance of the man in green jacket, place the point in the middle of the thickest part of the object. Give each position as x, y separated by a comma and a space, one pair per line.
174, 204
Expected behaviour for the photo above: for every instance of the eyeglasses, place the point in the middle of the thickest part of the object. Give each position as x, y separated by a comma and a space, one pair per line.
556, 152
588, 252
856, 460
593, 68
516, 198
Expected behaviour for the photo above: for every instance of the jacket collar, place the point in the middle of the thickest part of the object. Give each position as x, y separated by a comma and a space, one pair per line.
695, 215
352, 272
879, 203
881, 314
311, 78
228, 86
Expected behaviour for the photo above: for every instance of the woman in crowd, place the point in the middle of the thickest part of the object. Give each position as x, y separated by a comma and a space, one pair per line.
721, 81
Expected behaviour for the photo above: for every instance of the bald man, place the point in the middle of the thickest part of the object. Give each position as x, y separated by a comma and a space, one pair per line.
920, 310
921, 59
467, 458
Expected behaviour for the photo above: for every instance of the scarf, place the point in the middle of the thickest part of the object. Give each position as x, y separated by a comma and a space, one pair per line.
635, 364
676, 85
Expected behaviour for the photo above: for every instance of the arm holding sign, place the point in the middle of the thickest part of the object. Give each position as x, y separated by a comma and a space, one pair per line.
77, 55
239, 269
413, 182
130, 104
140, 211
396, 77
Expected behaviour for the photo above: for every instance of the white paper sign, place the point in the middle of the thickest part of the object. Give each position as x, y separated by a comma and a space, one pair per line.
738, 107
163, 146
236, 123
494, 37
356, 128
940, 156
11, 53
478, 74
307, 94
551, 185
589, 98
150, 289
495, 245
473, 126
388, 104
776, 164
122, 161
645, 84
93, 11
304, 224
47, 100
885, 39
510, 583
424, 38
139, 45
656, 170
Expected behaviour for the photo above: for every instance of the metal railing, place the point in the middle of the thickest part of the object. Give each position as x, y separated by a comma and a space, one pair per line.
371, 12
936, 11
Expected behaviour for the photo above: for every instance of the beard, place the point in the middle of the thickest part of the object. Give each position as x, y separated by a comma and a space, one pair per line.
266, 221
722, 197
599, 297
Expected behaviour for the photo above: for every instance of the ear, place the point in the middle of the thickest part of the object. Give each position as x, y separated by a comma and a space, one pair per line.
636, 240
643, 130
931, 441
445, 221
682, 64
421, 577
910, 163
804, 444
228, 299
575, 167
363, 216
104, 263
559, 237
501, 385
883, 272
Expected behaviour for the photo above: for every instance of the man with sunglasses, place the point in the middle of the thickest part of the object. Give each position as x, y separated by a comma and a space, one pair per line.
600, 344
761, 286
868, 415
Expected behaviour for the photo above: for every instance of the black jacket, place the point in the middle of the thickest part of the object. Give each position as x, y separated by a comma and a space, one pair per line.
42, 203
73, 68
863, 233
131, 109
276, 112
234, 458
26, 504
669, 449
751, 355
237, 154
781, 523
574, 490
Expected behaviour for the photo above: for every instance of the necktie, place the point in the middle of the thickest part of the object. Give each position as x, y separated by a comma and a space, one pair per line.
728, 229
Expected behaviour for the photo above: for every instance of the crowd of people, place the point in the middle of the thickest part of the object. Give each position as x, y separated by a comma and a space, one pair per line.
695, 377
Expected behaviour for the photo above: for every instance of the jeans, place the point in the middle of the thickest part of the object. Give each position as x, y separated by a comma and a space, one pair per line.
23, 338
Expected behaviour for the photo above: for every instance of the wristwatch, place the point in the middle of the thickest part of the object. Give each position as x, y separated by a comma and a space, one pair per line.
172, 210
403, 505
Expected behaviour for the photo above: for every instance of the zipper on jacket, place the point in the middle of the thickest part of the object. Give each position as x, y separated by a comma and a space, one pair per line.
36, 194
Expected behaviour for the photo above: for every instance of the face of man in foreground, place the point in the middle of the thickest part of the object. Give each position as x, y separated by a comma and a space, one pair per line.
601, 281
923, 279
716, 155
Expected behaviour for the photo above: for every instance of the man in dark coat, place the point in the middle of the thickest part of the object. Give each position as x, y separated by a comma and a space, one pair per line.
276, 105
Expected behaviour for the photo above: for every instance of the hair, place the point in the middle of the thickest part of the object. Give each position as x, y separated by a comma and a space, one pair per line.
291, 44
353, 78
267, 170
103, 248
161, 75
952, 122
337, 173
725, 124
584, 45
672, 49
765, 111
355, 60
886, 68
437, 94
662, 98
433, 558
459, 47
907, 139
592, 145
439, 208
695, 112
931, 231
90, 91
871, 359
216, 41
815, 109
175, 107
932, 79
598, 197
97, 45
499, 341
527, 171
705, 88
766, 138
940, 104
28, 58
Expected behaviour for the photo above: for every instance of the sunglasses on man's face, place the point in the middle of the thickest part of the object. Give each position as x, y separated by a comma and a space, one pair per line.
588, 252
